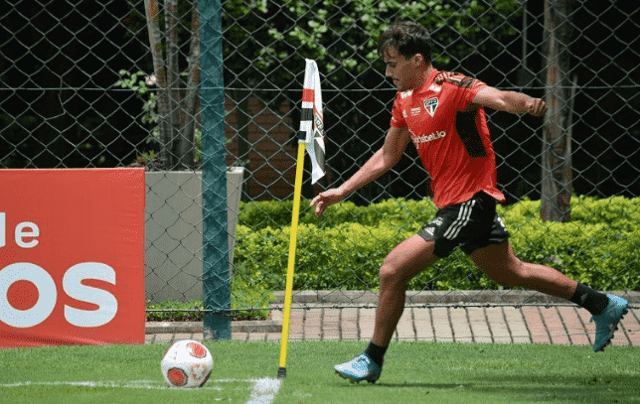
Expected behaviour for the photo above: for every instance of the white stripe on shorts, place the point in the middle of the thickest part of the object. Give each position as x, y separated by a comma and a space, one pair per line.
463, 218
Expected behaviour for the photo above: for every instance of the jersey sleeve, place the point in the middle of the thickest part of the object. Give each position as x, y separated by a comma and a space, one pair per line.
466, 88
476, 86
397, 120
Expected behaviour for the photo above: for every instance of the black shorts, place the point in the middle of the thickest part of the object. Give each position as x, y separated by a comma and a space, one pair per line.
469, 225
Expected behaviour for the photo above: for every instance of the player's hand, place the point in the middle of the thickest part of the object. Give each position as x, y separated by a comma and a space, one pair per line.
327, 198
536, 107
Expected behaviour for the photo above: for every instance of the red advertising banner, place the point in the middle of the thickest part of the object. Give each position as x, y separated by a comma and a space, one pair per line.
72, 257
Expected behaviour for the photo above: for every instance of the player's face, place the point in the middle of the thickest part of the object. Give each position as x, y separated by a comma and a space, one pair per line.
403, 71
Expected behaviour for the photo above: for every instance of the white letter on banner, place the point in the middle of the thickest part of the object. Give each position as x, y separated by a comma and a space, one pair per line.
106, 302
3, 229
21, 234
26, 271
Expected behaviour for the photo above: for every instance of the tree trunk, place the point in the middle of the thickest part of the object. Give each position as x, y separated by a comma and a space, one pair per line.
188, 129
173, 76
556, 141
155, 44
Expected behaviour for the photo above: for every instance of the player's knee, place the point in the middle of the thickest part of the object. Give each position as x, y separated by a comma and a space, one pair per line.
390, 274
519, 275
514, 273
387, 272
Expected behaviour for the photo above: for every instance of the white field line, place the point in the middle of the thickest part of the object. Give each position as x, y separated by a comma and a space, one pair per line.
263, 392
132, 384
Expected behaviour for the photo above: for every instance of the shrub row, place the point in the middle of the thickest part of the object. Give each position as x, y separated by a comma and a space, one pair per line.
247, 302
345, 247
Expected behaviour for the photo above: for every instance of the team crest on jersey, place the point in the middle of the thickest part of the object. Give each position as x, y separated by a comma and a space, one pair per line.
431, 105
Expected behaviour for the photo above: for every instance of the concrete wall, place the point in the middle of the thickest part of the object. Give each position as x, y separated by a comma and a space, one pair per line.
173, 232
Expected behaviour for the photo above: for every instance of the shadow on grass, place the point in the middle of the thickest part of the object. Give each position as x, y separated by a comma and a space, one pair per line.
557, 389
565, 389
410, 385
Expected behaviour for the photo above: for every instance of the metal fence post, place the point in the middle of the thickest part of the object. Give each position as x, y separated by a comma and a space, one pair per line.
216, 286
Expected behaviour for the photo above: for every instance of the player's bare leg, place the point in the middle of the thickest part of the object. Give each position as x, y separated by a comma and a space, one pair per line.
501, 265
402, 264
399, 267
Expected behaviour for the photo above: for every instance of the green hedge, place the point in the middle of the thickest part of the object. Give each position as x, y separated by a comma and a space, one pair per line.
248, 301
345, 248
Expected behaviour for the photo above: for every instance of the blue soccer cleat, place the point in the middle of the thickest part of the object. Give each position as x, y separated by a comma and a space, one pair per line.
358, 369
607, 322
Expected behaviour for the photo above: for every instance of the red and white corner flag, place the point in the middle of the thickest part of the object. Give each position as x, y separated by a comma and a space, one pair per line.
310, 137
311, 123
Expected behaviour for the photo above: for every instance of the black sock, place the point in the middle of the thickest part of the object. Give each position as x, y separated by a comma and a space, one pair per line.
592, 300
376, 353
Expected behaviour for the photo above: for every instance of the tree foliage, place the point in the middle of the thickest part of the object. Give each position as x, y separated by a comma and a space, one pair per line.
265, 44
274, 37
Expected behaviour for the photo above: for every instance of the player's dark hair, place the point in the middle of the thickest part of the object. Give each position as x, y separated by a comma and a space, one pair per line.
408, 38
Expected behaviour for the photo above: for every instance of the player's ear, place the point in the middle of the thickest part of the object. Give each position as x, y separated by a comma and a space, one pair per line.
417, 59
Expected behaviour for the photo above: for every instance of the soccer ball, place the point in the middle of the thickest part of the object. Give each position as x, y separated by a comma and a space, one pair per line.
186, 364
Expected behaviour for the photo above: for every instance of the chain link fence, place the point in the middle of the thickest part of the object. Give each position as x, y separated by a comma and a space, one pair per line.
115, 83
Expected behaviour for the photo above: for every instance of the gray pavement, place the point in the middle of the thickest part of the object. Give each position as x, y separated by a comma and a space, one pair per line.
501, 318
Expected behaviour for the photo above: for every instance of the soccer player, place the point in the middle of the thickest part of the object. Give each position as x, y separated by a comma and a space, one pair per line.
443, 115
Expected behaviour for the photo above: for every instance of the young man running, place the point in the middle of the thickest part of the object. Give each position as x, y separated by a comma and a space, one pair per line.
443, 115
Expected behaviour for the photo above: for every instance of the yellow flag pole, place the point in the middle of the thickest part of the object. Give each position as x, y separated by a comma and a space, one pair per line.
282, 370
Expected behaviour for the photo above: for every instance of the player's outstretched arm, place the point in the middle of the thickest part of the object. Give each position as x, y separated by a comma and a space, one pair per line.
388, 156
510, 101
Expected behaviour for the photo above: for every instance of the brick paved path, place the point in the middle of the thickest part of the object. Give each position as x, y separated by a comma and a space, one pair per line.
529, 324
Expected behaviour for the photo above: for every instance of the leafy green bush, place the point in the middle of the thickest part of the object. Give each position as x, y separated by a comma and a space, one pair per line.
277, 214
345, 248
600, 246
248, 301
175, 311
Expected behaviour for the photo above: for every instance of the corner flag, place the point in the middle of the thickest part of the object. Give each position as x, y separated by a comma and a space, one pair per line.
311, 136
311, 122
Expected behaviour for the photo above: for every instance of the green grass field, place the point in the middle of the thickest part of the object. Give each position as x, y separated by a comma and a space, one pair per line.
244, 372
